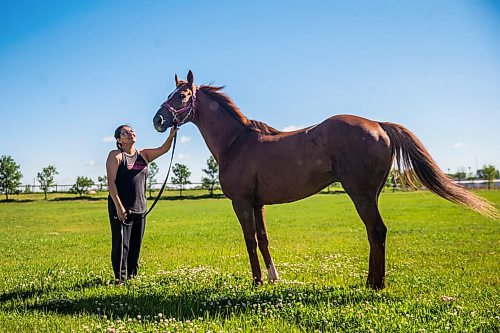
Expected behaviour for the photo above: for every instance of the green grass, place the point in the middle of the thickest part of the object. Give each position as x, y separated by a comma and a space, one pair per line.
442, 264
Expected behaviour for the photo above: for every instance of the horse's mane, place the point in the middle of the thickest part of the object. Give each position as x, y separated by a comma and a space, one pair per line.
227, 104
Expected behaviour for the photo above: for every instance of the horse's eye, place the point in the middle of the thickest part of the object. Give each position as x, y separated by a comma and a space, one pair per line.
182, 96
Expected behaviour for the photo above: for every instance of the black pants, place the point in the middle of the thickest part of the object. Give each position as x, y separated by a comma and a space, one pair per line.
126, 240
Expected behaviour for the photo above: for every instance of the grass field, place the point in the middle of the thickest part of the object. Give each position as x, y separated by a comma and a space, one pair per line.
442, 261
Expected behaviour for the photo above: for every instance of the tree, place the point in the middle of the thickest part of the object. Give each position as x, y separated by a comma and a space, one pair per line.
460, 174
392, 180
181, 176
103, 181
10, 175
488, 173
152, 172
212, 179
46, 178
82, 185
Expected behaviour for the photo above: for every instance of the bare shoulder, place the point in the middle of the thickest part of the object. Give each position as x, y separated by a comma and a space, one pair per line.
115, 155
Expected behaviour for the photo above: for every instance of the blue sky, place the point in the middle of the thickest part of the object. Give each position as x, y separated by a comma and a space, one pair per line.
72, 71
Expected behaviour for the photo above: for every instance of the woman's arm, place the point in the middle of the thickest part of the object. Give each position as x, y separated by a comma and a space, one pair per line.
153, 153
112, 164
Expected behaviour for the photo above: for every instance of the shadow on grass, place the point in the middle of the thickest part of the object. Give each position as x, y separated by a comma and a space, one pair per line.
16, 200
83, 197
38, 292
212, 301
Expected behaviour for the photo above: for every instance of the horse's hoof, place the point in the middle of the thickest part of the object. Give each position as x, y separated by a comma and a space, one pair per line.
272, 273
257, 282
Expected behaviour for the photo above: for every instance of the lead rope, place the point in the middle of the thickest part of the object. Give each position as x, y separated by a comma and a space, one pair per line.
166, 178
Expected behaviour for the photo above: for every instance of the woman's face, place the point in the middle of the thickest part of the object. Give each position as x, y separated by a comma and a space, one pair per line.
127, 135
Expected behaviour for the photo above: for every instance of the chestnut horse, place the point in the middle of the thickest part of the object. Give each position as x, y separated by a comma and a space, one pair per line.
259, 165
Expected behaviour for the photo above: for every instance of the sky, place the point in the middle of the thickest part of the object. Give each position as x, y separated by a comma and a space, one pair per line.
73, 71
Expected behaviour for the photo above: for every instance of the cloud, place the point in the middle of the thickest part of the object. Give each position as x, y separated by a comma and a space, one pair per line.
183, 157
185, 139
108, 138
91, 163
292, 128
459, 145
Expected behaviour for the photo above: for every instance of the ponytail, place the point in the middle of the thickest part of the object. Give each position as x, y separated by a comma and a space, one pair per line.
118, 132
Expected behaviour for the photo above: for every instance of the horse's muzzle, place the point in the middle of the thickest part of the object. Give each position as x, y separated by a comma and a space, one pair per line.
158, 123
162, 120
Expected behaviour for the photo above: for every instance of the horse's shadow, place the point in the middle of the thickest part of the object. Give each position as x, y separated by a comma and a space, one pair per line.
189, 304
39, 292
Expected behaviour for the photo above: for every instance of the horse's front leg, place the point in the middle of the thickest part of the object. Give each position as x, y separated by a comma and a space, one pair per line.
245, 213
263, 242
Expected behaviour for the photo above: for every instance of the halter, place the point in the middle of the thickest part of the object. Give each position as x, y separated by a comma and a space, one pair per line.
177, 113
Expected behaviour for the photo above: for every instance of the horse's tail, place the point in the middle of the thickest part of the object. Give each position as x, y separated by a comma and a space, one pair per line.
415, 164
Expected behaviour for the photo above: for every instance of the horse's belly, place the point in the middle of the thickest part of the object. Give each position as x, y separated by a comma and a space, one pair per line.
287, 184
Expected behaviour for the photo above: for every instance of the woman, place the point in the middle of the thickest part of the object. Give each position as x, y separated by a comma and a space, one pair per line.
127, 169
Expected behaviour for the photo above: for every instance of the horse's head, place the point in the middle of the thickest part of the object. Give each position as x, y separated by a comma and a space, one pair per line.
179, 107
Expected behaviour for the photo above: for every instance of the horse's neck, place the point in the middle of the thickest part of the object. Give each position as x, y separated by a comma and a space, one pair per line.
218, 128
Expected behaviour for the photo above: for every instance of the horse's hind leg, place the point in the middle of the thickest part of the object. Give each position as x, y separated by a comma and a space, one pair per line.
263, 241
367, 207
245, 213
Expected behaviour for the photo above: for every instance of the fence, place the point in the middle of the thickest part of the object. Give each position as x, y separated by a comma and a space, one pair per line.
479, 184
66, 188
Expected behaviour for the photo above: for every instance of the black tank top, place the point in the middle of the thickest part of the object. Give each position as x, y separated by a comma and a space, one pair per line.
131, 183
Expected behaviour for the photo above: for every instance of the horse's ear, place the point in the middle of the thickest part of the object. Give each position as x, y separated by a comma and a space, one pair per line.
190, 78
177, 82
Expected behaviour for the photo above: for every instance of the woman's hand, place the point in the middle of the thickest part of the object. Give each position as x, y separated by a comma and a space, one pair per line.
122, 214
173, 130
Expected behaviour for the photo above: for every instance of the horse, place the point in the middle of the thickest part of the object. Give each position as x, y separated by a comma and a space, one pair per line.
260, 165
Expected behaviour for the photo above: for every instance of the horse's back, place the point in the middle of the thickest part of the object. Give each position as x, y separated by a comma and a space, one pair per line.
354, 132
355, 124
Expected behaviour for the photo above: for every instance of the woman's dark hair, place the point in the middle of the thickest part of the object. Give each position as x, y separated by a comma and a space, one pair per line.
118, 133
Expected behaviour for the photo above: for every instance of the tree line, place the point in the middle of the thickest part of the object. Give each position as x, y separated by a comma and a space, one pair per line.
10, 178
